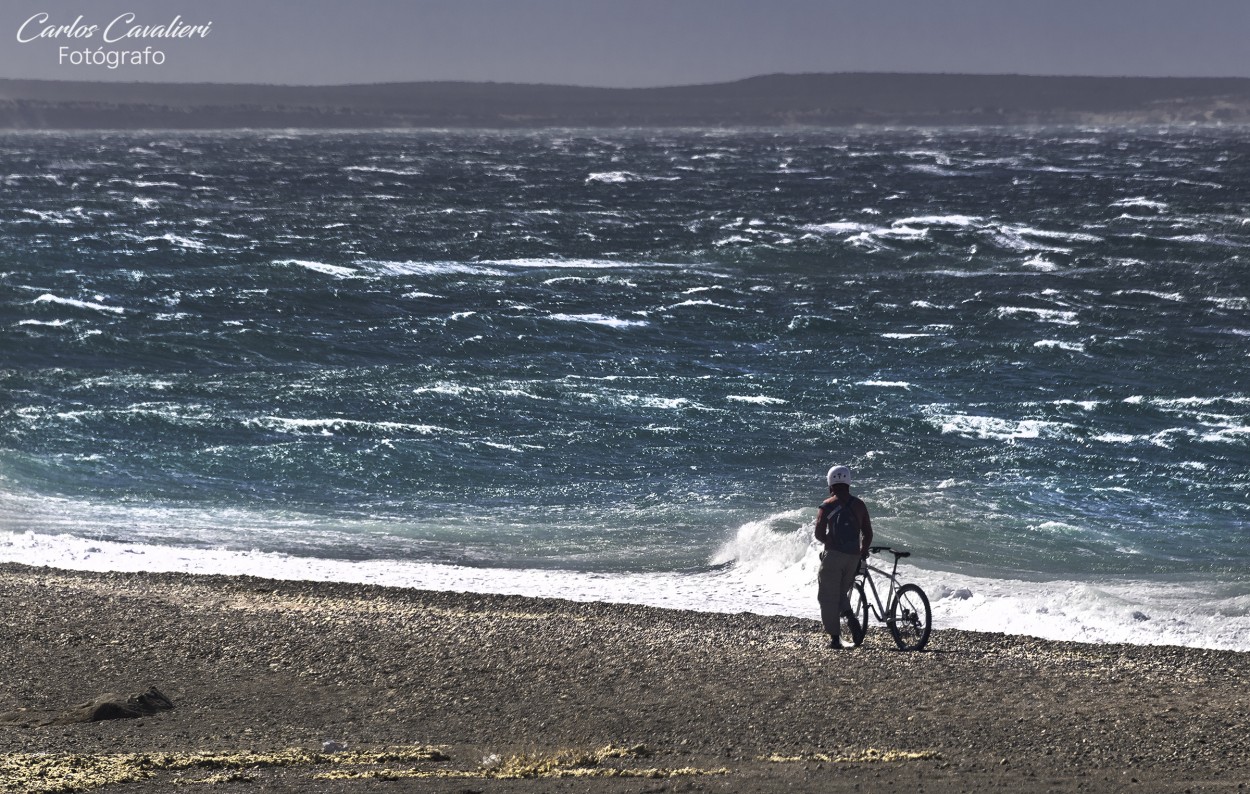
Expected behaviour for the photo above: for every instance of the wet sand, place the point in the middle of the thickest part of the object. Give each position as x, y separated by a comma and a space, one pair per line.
434, 691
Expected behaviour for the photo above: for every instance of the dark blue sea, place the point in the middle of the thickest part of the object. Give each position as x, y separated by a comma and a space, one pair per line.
617, 364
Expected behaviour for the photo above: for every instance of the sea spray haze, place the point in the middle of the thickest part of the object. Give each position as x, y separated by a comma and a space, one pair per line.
615, 365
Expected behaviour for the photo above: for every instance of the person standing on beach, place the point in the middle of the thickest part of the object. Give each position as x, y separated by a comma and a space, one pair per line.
845, 529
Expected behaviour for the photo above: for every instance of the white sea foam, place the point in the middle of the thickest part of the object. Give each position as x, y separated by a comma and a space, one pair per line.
581, 264
1165, 439
1193, 402
839, 227
331, 270
373, 169
50, 217
1060, 316
757, 399
655, 401
872, 238
99, 307
430, 269
1230, 434
177, 240
1039, 262
613, 177
1140, 201
335, 425
992, 427
598, 319
1084, 405
713, 304
1237, 304
935, 170
766, 567
1175, 297
452, 389
941, 220
886, 384
1072, 347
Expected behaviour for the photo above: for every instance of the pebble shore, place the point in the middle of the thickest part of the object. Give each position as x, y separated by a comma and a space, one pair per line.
299, 686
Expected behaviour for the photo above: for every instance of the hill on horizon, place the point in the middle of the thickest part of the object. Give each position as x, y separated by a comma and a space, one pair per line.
844, 99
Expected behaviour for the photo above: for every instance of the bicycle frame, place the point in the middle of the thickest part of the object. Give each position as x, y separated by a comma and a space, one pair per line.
905, 610
875, 605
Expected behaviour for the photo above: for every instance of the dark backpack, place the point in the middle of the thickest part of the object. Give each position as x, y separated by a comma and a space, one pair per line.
842, 533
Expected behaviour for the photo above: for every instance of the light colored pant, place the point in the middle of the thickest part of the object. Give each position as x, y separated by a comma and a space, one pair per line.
837, 577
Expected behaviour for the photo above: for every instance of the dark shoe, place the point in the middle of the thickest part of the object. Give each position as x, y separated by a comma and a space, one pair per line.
834, 642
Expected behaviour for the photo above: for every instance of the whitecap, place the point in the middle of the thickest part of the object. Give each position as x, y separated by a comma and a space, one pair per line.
992, 427
1084, 405
941, 220
1189, 402
612, 177
1226, 435
49, 217
1237, 304
178, 240
320, 267
597, 319
450, 389
934, 170
1140, 201
331, 426
1175, 297
372, 169
1046, 234
100, 307
872, 239
584, 264
757, 399
429, 268
1039, 262
1060, 316
886, 384
1071, 347
839, 227
712, 304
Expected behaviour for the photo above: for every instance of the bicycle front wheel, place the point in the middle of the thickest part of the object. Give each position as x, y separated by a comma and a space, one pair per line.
910, 618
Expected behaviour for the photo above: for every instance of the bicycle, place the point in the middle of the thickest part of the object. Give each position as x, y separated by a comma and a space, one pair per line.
908, 617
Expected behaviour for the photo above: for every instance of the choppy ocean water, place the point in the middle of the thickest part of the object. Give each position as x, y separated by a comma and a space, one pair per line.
616, 365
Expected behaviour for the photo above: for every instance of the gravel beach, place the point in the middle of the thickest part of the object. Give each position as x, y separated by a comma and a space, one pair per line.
298, 686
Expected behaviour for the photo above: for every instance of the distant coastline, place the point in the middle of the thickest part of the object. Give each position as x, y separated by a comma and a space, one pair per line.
820, 100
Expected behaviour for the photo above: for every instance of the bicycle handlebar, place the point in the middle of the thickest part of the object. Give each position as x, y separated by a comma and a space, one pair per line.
896, 553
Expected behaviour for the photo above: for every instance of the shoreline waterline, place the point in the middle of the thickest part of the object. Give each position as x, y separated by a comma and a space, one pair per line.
1106, 611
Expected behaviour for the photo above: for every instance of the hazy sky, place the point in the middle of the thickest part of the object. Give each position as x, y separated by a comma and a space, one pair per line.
630, 42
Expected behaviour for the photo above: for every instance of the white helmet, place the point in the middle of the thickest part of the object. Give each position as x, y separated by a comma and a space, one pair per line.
839, 474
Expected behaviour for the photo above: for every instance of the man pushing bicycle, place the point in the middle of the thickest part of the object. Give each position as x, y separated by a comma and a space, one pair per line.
845, 529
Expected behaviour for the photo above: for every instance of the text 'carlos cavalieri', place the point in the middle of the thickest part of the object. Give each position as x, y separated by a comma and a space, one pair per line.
122, 28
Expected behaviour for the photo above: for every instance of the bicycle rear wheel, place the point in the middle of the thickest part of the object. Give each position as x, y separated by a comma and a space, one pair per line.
910, 618
859, 608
